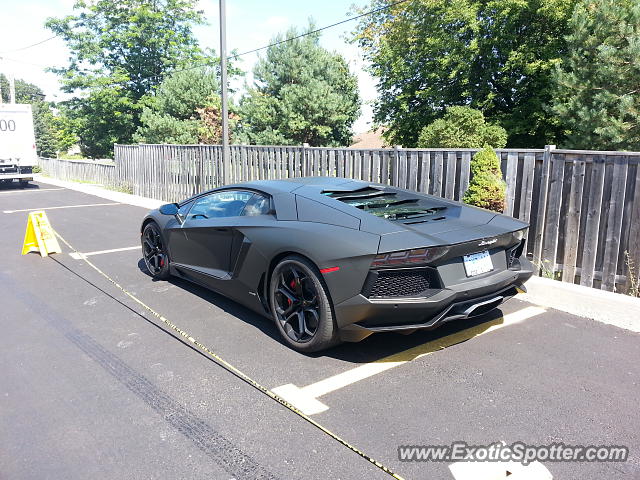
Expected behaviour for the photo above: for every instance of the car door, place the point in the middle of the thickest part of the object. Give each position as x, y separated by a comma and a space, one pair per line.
258, 212
202, 243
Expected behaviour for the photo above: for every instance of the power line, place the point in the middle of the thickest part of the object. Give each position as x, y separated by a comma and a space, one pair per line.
231, 57
30, 46
350, 19
22, 61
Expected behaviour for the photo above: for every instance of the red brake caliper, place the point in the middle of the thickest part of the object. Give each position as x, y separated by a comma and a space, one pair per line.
292, 285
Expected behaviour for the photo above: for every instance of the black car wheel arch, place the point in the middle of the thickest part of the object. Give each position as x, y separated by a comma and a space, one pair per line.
301, 306
155, 251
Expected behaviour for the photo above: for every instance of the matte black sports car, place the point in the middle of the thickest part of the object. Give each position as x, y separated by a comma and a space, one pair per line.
333, 259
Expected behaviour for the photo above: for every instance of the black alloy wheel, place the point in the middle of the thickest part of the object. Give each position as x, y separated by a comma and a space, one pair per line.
300, 305
154, 252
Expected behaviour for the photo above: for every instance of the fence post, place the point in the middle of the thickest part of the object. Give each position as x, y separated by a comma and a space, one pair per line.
395, 170
305, 160
542, 204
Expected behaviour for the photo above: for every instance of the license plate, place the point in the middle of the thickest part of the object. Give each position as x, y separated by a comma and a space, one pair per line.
477, 263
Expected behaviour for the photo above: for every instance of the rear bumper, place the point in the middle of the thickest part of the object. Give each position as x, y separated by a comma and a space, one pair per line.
13, 171
16, 176
359, 317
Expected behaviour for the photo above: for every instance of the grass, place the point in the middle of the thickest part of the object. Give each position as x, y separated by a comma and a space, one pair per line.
545, 271
74, 156
76, 180
120, 188
632, 276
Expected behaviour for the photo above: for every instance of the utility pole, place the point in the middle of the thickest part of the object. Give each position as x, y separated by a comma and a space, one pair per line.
223, 85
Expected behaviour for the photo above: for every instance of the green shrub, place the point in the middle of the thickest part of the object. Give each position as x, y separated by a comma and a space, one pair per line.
462, 127
73, 156
486, 188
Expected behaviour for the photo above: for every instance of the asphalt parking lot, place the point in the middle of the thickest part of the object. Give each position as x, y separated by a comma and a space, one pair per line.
94, 386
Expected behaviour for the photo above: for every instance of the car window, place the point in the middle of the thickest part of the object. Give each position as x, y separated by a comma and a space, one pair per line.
258, 205
182, 211
228, 203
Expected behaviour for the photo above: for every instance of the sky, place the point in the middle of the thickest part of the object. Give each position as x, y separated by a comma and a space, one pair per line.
250, 24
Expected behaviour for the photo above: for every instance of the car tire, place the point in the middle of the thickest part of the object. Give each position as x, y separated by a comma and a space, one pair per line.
154, 252
296, 290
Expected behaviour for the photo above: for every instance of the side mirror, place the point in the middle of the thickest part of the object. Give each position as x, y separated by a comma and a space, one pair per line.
169, 209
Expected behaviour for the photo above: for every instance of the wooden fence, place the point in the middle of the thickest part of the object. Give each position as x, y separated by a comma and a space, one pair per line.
583, 206
85, 171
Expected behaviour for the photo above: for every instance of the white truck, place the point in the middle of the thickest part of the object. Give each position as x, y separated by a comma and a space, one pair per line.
17, 143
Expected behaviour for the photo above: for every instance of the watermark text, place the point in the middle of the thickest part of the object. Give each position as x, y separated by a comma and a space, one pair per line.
516, 452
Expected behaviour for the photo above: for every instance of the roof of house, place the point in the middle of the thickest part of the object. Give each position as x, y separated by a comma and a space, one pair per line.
370, 139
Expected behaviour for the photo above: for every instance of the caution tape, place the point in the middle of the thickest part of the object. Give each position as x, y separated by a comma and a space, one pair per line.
230, 368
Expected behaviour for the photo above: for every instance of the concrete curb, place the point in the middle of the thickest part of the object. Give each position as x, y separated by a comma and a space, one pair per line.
100, 191
607, 307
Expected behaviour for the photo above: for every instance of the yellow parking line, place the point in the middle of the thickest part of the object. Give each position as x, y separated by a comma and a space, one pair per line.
65, 206
306, 398
184, 337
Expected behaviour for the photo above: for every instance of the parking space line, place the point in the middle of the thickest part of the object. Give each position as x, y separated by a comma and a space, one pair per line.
185, 338
306, 398
27, 190
65, 206
80, 256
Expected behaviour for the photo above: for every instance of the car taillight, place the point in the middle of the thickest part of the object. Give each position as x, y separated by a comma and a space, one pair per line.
416, 256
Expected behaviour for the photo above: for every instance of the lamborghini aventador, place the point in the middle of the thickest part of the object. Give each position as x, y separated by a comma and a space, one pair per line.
333, 259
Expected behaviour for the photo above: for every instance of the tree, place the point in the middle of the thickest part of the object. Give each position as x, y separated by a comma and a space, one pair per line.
185, 109
172, 114
486, 187
64, 129
462, 127
25, 92
105, 116
598, 84
44, 129
302, 94
496, 56
120, 51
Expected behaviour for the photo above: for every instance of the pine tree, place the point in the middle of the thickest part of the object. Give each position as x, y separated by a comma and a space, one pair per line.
598, 84
486, 188
172, 113
303, 93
